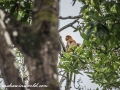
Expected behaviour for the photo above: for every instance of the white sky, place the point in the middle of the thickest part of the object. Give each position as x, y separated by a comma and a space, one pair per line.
66, 9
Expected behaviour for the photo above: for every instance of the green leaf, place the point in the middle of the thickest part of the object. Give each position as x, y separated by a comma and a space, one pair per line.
97, 88
80, 50
84, 36
64, 67
117, 35
77, 29
83, 8
118, 9
96, 2
101, 55
90, 55
71, 74
66, 54
89, 76
90, 31
106, 39
105, 29
75, 71
25, 18
12, 10
83, 1
27, 5
101, 31
86, 43
114, 58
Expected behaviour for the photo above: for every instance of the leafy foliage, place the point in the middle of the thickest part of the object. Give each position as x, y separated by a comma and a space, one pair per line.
74, 62
100, 29
19, 9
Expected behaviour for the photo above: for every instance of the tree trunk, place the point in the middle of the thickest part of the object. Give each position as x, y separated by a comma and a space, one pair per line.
39, 44
8, 71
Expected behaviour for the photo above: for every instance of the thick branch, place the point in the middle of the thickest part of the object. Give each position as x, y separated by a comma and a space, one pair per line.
9, 73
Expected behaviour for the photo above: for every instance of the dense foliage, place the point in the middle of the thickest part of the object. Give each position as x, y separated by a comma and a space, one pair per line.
99, 53
19, 9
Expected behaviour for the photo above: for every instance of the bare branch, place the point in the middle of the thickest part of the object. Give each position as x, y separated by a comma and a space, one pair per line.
62, 44
68, 25
62, 78
60, 71
68, 82
70, 17
74, 1
73, 27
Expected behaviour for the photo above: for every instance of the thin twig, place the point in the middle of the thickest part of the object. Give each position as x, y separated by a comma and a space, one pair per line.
73, 27
68, 25
70, 17
60, 71
62, 78
74, 1
62, 44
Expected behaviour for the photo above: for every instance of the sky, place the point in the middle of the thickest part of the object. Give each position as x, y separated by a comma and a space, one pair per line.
66, 9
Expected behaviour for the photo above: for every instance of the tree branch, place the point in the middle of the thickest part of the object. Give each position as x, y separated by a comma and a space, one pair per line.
68, 25
73, 27
70, 17
62, 78
68, 82
7, 59
62, 44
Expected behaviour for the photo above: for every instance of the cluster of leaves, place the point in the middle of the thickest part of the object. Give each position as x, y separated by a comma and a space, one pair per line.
73, 62
19, 9
19, 63
100, 30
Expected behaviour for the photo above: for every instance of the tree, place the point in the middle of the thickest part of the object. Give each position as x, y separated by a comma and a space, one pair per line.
99, 54
103, 41
37, 42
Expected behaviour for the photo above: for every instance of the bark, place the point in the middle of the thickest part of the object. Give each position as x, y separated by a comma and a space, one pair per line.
8, 70
39, 43
68, 82
44, 70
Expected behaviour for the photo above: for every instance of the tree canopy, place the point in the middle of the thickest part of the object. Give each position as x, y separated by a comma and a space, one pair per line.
99, 55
